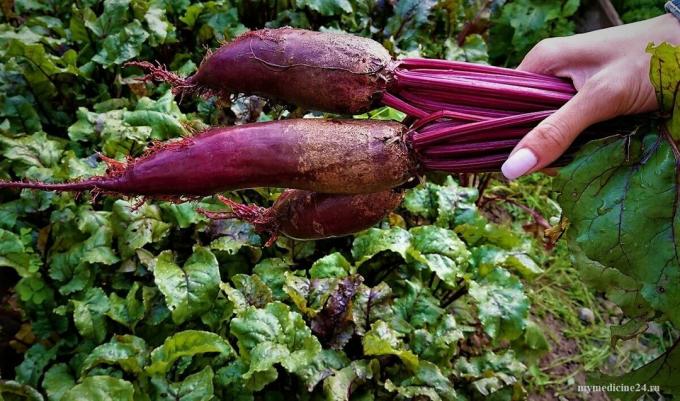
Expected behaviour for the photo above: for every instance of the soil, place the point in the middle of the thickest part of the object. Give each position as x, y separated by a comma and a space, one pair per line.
10, 324
562, 348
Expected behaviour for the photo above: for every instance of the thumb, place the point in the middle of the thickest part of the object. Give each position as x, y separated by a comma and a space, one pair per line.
553, 136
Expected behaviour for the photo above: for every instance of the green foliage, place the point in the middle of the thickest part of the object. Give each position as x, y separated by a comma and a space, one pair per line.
189, 290
522, 23
610, 193
638, 10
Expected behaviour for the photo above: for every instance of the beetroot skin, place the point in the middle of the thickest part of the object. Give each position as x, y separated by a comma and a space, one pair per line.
331, 156
309, 215
331, 72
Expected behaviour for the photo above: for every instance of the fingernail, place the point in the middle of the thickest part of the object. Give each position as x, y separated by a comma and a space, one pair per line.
519, 163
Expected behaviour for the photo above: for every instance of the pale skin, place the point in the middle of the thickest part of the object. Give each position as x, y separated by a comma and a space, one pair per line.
610, 70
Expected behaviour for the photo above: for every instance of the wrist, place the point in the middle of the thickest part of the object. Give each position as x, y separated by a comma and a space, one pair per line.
669, 28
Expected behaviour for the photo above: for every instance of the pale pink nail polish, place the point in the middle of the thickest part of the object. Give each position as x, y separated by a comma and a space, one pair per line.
519, 163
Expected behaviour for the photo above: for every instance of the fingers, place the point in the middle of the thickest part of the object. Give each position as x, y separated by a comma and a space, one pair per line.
547, 57
553, 136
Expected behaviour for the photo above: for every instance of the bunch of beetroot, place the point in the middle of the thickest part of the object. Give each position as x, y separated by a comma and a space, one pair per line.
345, 174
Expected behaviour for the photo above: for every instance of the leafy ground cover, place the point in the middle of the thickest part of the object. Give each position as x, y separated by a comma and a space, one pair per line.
454, 296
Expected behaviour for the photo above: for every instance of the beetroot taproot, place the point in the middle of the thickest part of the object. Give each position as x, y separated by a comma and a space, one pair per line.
307, 215
322, 71
341, 73
331, 156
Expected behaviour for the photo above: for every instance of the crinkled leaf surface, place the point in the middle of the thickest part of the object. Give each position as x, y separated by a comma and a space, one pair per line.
101, 388
186, 343
503, 306
339, 386
11, 390
89, 314
374, 240
333, 265
441, 251
427, 381
195, 387
383, 340
189, 290
35, 361
333, 324
269, 336
127, 351
58, 381
610, 194
370, 305
415, 307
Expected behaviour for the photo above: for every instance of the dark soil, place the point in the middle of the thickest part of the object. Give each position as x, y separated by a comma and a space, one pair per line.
10, 323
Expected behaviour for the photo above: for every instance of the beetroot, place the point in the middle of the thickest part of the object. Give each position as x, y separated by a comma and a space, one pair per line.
322, 71
332, 156
309, 215
341, 73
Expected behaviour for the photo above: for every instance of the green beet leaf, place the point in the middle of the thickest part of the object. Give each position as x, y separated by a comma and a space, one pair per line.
371, 304
414, 307
427, 381
490, 372
628, 183
441, 251
328, 7
101, 388
123, 46
326, 363
235, 234
438, 344
252, 290
58, 381
89, 314
189, 290
137, 227
445, 205
35, 361
127, 311
503, 306
11, 390
272, 272
374, 241
339, 387
383, 340
270, 336
333, 265
186, 344
195, 387
127, 351
16, 252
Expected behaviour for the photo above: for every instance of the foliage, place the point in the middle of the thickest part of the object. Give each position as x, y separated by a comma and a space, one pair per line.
638, 10
519, 25
610, 193
149, 301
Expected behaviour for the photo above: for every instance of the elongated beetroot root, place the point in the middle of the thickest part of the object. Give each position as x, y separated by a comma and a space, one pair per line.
341, 73
331, 156
309, 215
332, 72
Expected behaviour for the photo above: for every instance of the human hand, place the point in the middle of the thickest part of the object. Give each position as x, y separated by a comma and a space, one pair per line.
610, 70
